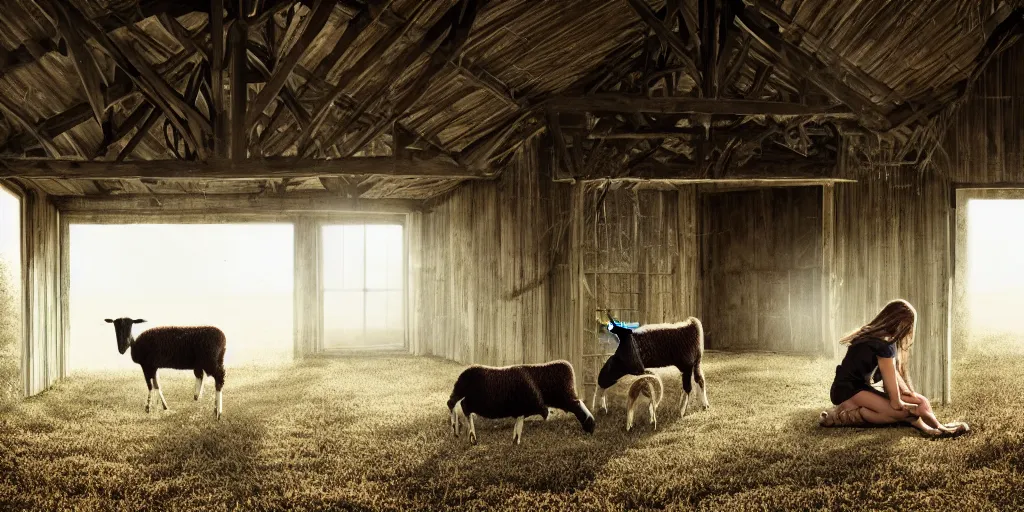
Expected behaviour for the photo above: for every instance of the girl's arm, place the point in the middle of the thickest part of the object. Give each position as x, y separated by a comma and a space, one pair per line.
888, 368
904, 387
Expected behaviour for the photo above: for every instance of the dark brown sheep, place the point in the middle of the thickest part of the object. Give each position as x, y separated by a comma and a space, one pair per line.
200, 349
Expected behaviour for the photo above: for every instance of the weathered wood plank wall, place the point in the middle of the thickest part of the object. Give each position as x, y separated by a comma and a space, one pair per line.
891, 241
45, 349
762, 267
491, 255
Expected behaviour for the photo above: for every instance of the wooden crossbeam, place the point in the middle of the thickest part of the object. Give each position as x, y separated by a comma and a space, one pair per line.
135, 205
797, 169
611, 102
245, 170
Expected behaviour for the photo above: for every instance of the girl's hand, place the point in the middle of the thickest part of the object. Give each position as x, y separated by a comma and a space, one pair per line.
898, 404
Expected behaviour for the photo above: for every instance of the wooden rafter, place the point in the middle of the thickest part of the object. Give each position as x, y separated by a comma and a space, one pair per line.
245, 170
82, 59
450, 47
15, 112
315, 22
319, 114
800, 63
392, 74
666, 35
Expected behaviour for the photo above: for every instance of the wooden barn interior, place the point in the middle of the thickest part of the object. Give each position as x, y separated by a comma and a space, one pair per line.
777, 168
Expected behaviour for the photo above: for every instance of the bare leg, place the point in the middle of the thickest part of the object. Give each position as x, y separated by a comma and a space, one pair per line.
925, 412
875, 409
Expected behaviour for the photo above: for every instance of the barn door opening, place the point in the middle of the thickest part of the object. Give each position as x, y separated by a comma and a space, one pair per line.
989, 273
362, 287
762, 269
11, 324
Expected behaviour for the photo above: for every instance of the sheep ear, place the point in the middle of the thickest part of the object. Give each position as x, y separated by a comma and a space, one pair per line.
139, 321
107, 320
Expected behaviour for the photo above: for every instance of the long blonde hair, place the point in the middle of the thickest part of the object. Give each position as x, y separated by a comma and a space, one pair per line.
895, 323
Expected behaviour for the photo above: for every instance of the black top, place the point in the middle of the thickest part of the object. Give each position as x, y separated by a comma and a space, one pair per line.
861, 361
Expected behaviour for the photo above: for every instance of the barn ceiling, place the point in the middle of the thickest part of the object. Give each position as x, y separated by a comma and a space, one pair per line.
440, 91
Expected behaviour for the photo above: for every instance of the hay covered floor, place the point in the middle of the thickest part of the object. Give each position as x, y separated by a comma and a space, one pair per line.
371, 433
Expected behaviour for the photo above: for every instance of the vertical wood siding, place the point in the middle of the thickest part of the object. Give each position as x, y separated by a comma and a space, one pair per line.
493, 256
45, 345
763, 269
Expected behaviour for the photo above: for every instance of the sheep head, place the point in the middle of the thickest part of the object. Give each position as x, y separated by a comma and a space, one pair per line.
123, 330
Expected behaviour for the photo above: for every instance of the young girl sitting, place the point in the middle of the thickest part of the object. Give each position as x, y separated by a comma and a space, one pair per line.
883, 347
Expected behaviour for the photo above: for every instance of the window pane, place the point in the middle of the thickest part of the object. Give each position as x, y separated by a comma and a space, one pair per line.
395, 307
343, 257
395, 259
343, 319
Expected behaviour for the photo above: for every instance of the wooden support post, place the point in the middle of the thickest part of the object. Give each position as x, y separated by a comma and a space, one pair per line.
238, 38
217, 78
307, 287
576, 277
830, 347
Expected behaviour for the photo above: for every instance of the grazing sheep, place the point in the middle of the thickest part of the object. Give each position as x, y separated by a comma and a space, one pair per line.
656, 346
648, 385
200, 349
515, 391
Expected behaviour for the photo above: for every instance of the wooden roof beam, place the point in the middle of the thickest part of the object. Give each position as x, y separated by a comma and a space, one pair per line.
212, 204
450, 47
484, 80
315, 22
666, 35
251, 169
371, 56
797, 169
800, 63
611, 102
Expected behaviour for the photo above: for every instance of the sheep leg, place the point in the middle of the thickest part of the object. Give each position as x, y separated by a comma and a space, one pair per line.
472, 429
687, 389
517, 432
218, 380
199, 384
629, 417
458, 416
652, 415
149, 384
698, 377
599, 392
156, 384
